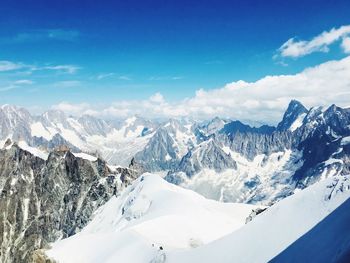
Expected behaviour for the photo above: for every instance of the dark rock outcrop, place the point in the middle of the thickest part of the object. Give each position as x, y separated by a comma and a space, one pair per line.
43, 201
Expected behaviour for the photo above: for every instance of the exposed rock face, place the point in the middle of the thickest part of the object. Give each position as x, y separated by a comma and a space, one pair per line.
42, 201
159, 153
168, 145
212, 126
251, 144
207, 155
321, 140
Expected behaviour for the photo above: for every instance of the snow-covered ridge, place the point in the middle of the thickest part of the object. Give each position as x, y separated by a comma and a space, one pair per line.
149, 218
274, 230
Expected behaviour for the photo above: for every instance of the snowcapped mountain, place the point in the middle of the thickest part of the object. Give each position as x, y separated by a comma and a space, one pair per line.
116, 144
305, 146
270, 164
151, 217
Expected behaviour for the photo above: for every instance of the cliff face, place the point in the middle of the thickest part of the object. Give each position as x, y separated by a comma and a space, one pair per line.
43, 201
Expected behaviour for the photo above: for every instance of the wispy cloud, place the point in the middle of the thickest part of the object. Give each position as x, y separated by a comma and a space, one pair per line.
7, 88
39, 35
213, 62
24, 82
67, 83
70, 69
6, 65
105, 75
297, 48
158, 78
124, 77
113, 75
9, 65
16, 84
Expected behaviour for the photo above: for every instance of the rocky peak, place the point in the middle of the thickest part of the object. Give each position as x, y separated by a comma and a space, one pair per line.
294, 111
7, 143
62, 149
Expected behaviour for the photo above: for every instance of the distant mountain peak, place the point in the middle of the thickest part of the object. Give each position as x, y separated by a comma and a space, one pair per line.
293, 116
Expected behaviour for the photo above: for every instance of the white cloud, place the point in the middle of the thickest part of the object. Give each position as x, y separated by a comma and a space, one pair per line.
110, 75
158, 98
24, 82
298, 48
70, 69
67, 83
157, 78
75, 109
105, 75
346, 44
264, 100
9, 65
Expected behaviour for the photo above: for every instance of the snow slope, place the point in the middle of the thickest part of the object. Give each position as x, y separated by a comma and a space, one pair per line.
150, 214
274, 230
333, 231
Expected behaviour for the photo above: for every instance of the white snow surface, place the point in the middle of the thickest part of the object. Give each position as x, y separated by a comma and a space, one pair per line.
298, 122
85, 156
275, 229
33, 150
148, 214
345, 140
39, 130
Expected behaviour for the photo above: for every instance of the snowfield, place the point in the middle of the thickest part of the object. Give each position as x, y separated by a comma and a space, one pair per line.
155, 222
277, 228
150, 214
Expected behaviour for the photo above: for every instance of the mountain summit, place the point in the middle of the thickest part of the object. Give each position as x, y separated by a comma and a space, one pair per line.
293, 116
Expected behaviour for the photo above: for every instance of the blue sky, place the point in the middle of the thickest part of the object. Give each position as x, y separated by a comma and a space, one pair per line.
102, 52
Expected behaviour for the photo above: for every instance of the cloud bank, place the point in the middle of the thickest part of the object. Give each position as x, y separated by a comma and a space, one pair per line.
264, 100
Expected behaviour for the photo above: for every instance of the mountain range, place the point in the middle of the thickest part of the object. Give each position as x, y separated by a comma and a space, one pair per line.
64, 179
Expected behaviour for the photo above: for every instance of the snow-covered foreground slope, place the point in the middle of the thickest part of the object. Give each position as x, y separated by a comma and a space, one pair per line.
332, 236
150, 214
274, 230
